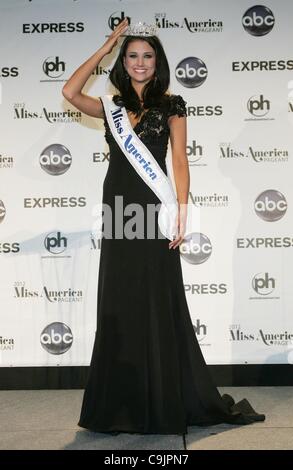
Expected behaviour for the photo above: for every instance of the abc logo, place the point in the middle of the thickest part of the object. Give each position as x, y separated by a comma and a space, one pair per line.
56, 338
2, 211
55, 159
191, 72
258, 20
270, 205
196, 248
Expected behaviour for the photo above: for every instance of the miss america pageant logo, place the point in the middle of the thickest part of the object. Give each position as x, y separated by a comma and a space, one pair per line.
202, 26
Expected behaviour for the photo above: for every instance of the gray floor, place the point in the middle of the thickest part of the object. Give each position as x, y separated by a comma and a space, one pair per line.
46, 419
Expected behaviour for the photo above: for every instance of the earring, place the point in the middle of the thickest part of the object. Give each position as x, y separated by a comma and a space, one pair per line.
126, 76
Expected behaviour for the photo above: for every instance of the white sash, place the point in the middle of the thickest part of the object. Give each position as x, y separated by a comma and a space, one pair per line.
145, 164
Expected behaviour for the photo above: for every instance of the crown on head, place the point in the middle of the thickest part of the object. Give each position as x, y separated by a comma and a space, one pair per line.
141, 29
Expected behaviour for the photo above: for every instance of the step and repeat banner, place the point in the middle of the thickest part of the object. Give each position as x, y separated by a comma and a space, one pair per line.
232, 63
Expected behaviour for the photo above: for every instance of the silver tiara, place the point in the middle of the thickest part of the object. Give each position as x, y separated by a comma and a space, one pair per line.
141, 29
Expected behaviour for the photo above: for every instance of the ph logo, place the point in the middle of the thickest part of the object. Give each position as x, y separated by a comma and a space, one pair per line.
114, 19
200, 330
55, 243
53, 67
194, 152
258, 107
262, 284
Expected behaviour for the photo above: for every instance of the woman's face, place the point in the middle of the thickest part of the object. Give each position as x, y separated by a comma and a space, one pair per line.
140, 61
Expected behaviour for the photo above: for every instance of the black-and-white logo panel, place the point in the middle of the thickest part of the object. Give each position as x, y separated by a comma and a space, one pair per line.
258, 20
55, 159
196, 248
2, 211
270, 205
56, 338
191, 72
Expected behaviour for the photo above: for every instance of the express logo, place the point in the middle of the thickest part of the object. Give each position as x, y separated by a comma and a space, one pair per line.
55, 159
40, 28
9, 72
7, 247
196, 248
191, 72
270, 205
56, 338
258, 20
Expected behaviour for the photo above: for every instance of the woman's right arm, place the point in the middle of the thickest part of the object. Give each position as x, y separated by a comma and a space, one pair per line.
72, 90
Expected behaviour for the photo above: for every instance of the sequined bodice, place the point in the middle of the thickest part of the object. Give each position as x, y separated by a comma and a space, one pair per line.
153, 126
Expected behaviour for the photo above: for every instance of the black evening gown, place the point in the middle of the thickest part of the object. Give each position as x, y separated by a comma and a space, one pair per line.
147, 371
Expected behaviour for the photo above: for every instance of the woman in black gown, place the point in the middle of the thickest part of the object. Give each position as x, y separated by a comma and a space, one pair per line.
147, 372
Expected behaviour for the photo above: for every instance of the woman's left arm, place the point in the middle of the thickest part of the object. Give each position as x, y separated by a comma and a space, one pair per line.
180, 166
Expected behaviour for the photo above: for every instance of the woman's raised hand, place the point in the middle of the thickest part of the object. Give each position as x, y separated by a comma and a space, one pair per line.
112, 39
72, 90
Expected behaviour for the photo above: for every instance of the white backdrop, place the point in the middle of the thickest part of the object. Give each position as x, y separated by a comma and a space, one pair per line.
232, 63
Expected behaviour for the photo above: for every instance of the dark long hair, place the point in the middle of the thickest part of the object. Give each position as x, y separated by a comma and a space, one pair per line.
154, 92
